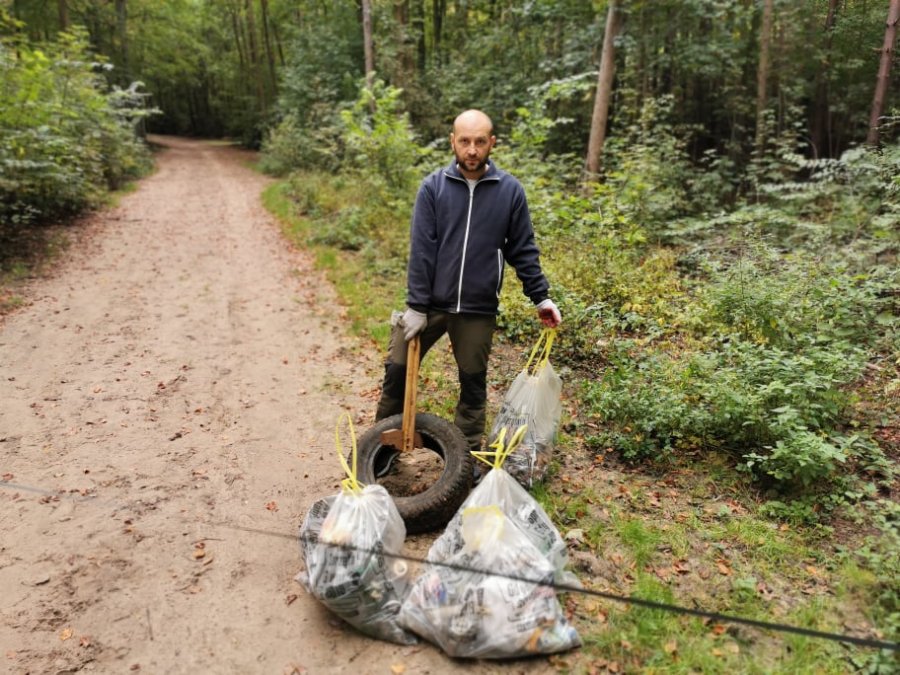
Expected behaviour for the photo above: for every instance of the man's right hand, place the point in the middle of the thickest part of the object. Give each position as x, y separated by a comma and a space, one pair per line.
413, 323
549, 314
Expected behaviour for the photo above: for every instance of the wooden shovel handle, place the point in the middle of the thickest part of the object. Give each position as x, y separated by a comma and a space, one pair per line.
409, 398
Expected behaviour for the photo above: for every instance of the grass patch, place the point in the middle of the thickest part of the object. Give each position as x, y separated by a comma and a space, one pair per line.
369, 298
685, 527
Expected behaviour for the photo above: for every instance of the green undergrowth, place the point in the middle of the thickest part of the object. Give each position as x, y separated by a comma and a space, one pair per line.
686, 527
729, 436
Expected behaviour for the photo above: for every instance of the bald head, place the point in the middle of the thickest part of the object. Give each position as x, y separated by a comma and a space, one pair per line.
473, 120
472, 141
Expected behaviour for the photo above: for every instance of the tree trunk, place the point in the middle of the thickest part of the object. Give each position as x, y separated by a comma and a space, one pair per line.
405, 64
270, 56
417, 21
438, 9
884, 71
62, 7
762, 72
604, 91
237, 37
254, 57
821, 126
122, 32
278, 46
368, 46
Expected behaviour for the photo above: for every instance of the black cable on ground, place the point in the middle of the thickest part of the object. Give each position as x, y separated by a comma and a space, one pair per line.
565, 588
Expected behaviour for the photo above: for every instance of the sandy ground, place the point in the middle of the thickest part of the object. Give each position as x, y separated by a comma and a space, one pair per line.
168, 402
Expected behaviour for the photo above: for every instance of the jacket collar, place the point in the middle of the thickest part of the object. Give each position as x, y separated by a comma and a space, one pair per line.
492, 173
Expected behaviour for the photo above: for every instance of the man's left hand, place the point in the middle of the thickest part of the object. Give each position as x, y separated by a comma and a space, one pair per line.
549, 313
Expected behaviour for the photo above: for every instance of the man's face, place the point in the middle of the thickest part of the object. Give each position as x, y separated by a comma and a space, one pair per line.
472, 142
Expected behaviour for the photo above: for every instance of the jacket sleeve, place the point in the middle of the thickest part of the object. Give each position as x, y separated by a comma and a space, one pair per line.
521, 251
423, 246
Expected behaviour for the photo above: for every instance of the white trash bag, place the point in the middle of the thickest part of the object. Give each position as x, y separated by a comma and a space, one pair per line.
492, 598
499, 489
348, 542
533, 400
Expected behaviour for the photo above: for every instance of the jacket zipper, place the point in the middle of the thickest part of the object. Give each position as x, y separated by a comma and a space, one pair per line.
499, 271
462, 264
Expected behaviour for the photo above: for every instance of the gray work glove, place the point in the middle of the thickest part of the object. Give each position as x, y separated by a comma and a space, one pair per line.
413, 323
549, 313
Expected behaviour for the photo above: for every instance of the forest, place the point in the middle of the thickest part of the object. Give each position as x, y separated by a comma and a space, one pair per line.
715, 189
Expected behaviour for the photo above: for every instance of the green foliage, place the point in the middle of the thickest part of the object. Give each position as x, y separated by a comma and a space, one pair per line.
648, 168
65, 138
740, 395
379, 139
291, 146
802, 457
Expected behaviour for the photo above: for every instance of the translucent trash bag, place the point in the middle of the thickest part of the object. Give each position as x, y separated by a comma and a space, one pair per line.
348, 542
493, 598
533, 400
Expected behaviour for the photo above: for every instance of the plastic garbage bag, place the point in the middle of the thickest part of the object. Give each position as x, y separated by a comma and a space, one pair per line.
348, 542
492, 598
533, 400
500, 489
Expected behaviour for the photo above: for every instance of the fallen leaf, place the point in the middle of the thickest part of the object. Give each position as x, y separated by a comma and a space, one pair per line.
66, 634
7, 477
670, 647
289, 599
272, 506
733, 647
682, 567
718, 629
613, 666
199, 553
723, 568
398, 669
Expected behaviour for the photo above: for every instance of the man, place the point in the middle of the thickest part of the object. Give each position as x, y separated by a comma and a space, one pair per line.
469, 218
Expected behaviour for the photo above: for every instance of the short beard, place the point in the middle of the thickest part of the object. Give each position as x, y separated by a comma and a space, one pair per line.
462, 164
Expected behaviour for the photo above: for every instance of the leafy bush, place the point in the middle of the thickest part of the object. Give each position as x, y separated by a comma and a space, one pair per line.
64, 137
379, 139
293, 145
738, 396
773, 298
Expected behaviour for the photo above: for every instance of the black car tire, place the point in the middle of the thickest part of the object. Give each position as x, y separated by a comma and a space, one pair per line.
434, 507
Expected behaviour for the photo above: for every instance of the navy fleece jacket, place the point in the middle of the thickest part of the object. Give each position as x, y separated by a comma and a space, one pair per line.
460, 238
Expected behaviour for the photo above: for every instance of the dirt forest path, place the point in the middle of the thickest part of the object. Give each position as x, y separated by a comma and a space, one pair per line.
167, 408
